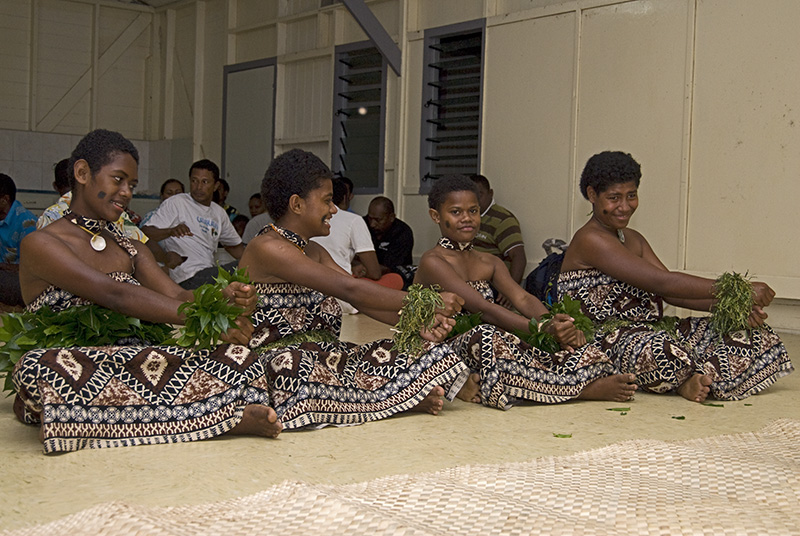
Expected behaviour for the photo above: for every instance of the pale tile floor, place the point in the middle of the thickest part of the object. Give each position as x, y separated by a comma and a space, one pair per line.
38, 488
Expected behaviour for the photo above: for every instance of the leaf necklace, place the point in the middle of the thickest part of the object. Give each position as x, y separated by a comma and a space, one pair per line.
446, 243
291, 236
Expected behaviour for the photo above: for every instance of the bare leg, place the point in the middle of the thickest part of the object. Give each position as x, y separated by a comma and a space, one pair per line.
258, 420
471, 390
616, 388
433, 403
696, 388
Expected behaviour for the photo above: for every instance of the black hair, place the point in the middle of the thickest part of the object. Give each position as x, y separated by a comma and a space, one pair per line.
255, 196
225, 186
339, 191
7, 187
480, 179
240, 217
208, 165
384, 202
168, 181
61, 174
447, 184
98, 148
295, 172
608, 168
348, 183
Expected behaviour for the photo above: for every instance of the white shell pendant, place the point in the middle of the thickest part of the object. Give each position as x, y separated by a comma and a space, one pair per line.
98, 243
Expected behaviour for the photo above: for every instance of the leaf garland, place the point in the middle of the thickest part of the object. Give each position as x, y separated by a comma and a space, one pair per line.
84, 325
465, 322
210, 314
735, 300
316, 335
418, 312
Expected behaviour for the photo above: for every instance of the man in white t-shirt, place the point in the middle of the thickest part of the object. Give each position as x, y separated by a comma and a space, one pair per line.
193, 226
349, 237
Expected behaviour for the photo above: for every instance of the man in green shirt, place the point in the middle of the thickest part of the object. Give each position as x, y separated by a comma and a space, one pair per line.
500, 233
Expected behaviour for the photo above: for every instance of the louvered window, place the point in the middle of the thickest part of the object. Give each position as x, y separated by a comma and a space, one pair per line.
451, 114
358, 122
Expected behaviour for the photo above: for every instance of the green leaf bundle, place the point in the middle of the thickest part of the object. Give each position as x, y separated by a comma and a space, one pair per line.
465, 322
85, 325
418, 312
209, 315
735, 300
547, 342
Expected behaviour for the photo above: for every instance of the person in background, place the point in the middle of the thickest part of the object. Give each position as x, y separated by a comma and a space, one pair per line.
61, 176
256, 205
221, 198
500, 233
16, 222
192, 226
240, 223
169, 188
393, 239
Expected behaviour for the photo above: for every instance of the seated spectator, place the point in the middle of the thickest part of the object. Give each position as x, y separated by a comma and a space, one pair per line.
193, 226
349, 237
256, 205
16, 222
240, 223
221, 198
169, 188
500, 233
392, 238
256, 223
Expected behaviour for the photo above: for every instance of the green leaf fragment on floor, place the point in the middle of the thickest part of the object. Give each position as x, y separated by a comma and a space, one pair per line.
713, 405
618, 409
748, 404
679, 417
562, 435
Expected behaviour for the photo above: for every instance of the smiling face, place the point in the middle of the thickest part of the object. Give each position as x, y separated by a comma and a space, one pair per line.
614, 206
459, 216
317, 209
106, 194
202, 185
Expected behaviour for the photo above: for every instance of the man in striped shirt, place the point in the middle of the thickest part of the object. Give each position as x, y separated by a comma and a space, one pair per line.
500, 233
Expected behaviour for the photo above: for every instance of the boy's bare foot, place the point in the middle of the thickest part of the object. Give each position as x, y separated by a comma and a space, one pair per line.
258, 420
471, 390
696, 388
433, 403
615, 388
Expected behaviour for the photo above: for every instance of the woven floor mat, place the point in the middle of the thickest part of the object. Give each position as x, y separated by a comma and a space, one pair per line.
739, 484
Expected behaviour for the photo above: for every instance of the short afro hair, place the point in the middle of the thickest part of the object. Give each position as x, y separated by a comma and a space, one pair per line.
608, 168
447, 184
98, 148
295, 172
208, 165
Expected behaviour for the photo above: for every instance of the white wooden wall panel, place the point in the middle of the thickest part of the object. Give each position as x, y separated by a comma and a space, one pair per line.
387, 12
121, 90
444, 12
15, 24
308, 100
257, 44
294, 7
215, 55
64, 60
254, 11
183, 73
745, 165
525, 150
632, 96
301, 35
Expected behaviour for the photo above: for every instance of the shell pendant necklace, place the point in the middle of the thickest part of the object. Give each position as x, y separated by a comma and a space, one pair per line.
93, 227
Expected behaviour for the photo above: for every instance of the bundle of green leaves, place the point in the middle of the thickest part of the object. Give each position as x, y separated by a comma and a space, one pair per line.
209, 315
735, 300
86, 325
465, 322
418, 312
546, 342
